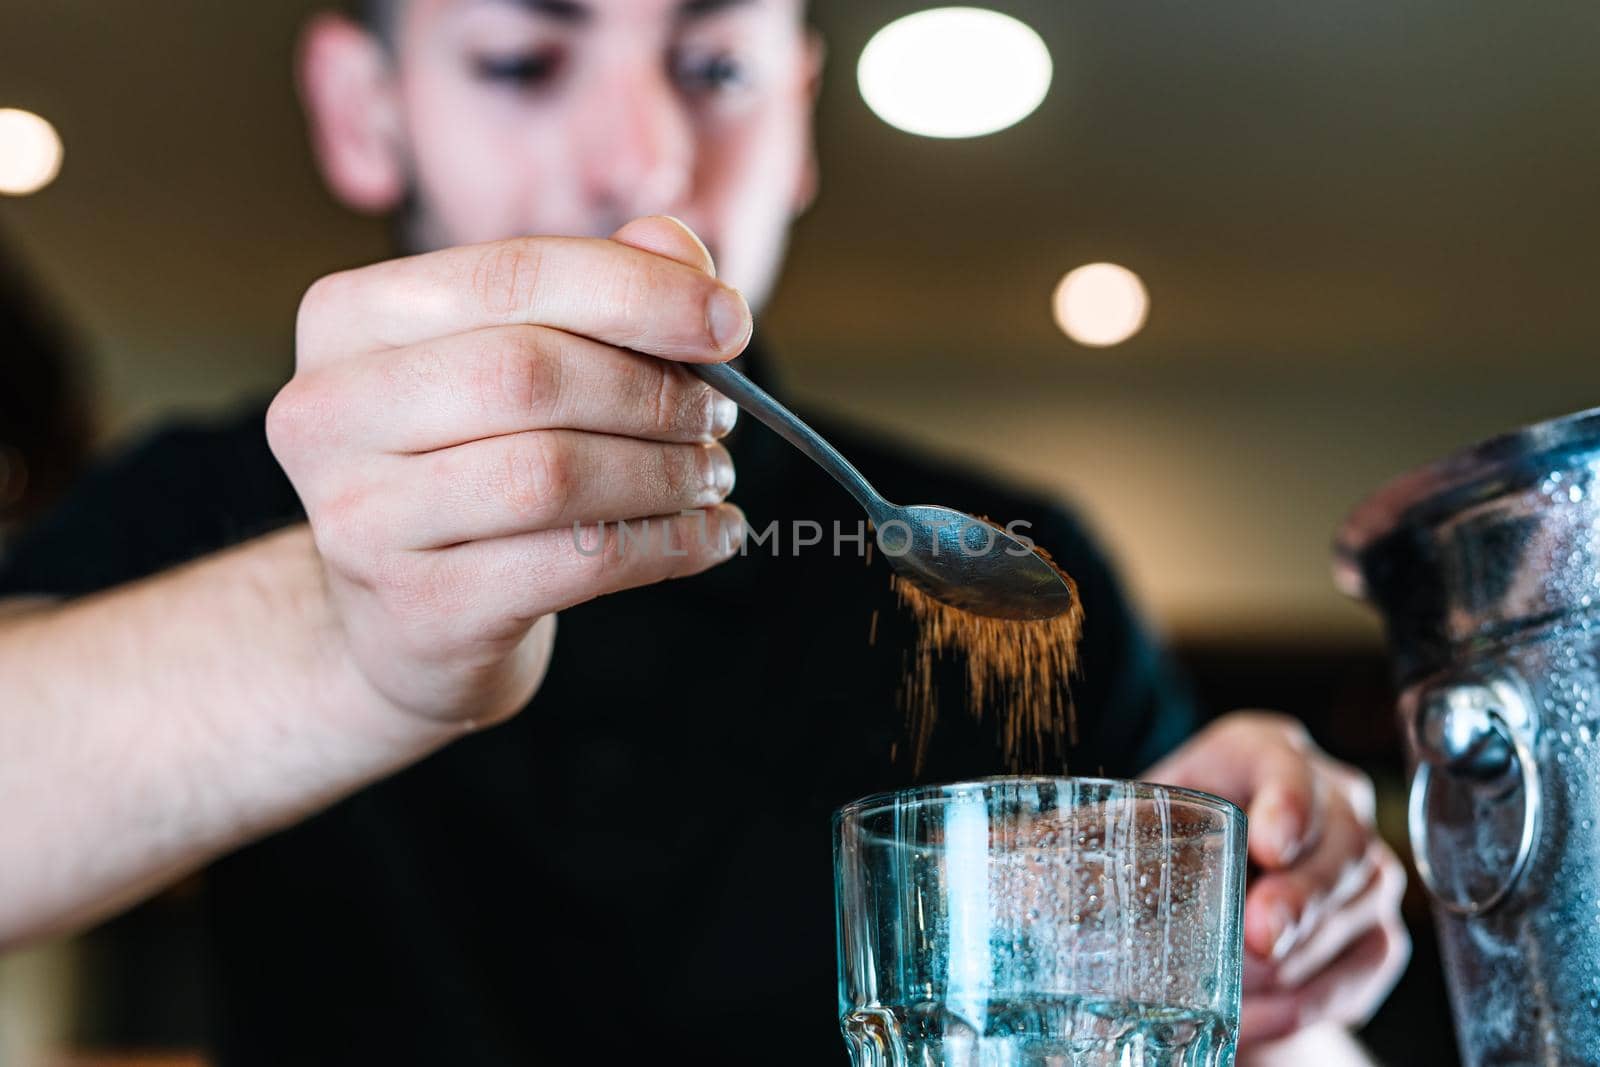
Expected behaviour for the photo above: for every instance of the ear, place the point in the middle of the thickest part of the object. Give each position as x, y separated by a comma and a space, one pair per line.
812, 61
346, 88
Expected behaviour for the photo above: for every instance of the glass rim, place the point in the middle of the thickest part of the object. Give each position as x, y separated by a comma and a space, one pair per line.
860, 808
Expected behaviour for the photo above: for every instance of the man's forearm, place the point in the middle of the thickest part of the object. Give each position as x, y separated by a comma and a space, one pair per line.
147, 729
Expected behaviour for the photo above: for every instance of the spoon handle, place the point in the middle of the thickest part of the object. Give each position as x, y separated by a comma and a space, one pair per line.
786, 424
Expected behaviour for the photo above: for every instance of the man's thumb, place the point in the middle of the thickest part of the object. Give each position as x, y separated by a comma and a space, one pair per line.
668, 237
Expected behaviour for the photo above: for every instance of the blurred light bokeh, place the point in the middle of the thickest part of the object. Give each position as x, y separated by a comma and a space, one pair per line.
30, 152
954, 72
1100, 304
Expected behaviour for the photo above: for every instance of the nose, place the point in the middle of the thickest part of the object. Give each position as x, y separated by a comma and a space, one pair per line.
638, 152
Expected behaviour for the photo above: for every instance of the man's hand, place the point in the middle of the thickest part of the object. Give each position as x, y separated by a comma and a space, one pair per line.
452, 416
1323, 937
456, 417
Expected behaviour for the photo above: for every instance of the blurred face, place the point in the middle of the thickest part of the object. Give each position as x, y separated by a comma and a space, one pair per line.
513, 117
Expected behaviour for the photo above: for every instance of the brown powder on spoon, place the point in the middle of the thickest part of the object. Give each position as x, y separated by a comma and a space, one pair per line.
1021, 667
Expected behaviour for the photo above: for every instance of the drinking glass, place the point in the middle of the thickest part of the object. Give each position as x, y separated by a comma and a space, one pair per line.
1040, 922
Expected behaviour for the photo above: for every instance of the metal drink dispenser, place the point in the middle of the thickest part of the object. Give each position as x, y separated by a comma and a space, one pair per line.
1486, 569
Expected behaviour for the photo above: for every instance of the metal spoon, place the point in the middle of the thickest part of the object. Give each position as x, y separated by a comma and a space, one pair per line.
950, 555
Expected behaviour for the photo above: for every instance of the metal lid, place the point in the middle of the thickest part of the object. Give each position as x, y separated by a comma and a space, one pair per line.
1436, 490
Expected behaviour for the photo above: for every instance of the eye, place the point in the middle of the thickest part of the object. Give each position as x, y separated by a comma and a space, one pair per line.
714, 73
525, 71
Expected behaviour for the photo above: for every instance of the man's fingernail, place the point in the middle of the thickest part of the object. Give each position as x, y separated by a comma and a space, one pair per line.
724, 413
1279, 829
712, 267
1283, 837
728, 318
732, 531
720, 481
1281, 927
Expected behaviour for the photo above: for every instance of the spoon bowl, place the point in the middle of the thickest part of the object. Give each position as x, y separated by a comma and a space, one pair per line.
956, 558
970, 564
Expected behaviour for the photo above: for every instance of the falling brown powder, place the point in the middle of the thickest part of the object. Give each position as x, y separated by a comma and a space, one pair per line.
1020, 668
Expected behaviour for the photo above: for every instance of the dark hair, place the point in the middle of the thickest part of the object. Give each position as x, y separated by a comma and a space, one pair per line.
373, 12
379, 15
44, 419
376, 15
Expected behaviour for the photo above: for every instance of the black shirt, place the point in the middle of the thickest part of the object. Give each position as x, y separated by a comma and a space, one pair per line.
639, 864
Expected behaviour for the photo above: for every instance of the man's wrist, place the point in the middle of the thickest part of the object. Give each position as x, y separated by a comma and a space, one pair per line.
289, 574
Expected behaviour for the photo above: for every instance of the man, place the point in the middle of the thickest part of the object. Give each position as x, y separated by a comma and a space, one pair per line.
638, 862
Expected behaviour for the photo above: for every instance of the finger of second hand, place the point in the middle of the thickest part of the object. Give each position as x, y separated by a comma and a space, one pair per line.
1287, 813
1283, 908
1347, 991
1342, 922
1261, 763
1364, 895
